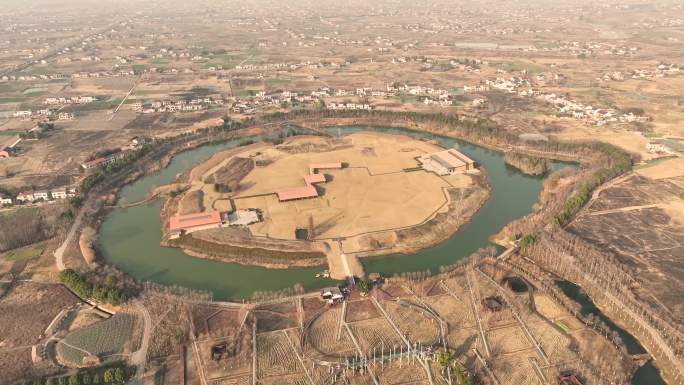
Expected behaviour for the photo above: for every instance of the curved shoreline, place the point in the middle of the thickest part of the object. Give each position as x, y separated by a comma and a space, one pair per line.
222, 245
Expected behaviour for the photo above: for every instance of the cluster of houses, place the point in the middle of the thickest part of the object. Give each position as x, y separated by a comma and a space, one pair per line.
665, 146
55, 76
464, 65
564, 106
349, 106
508, 85
42, 113
592, 48
35, 196
69, 100
121, 153
292, 66
588, 114
104, 160
196, 104
429, 95
663, 70
82, 58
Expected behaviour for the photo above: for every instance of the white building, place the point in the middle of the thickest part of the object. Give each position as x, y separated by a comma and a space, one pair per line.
5, 201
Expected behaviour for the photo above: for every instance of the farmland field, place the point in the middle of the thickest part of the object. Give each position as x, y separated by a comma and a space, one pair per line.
109, 340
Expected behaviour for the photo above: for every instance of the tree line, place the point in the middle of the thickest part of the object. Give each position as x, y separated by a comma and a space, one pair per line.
112, 375
77, 283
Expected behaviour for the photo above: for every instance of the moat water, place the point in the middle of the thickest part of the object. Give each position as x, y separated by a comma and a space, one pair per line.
647, 374
129, 238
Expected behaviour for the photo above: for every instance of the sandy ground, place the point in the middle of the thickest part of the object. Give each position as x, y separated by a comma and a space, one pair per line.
665, 169
373, 194
633, 142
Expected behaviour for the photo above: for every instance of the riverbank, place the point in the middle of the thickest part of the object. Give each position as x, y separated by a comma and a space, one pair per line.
377, 163
530, 165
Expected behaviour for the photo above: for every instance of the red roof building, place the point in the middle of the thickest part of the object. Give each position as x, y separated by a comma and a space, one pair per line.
321, 166
297, 193
308, 191
314, 178
196, 221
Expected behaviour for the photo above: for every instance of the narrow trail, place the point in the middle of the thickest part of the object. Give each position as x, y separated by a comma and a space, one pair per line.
139, 357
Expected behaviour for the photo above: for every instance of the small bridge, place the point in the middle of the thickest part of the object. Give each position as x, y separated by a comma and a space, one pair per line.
139, 203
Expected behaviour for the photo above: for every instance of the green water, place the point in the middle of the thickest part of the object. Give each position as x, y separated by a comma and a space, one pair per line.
129, 238
645, 375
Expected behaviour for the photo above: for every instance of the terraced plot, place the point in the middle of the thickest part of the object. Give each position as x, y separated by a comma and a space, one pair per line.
107, 340
322, 336
514, 370
294, 379
507, 340
275, 356
413, 323
458, 314
407, 374
374, 334
552, 341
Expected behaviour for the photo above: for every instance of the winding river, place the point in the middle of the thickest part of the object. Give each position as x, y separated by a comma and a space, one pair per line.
647, 374
129, 238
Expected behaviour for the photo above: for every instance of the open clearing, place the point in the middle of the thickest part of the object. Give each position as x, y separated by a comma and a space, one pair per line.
374, 193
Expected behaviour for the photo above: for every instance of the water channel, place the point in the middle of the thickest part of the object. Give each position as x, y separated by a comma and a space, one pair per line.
129, 238
647, 374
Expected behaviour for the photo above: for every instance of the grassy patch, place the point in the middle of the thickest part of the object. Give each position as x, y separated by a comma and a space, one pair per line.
159, 61
457, 91
12, 100
245, 93
651, 163
276, 81
10, 132
563, 326
34, 91
406, 98
138, 68
520, 66
23, 254
104, 339
594, 93
37, 71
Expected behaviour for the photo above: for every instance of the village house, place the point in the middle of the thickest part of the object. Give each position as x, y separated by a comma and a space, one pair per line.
5, 201
25, 197
446, 162
65, 116
63, 193
41, 195
99, 162
657, 147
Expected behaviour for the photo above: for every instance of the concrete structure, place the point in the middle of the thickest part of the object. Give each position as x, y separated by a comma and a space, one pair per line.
63, 192
308, 191
243, 217
180, 224
41, 194
295, 193
332, 295
446, 162
322, 166
99, 162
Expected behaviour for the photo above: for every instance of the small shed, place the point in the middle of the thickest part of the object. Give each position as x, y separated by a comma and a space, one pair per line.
332, 294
